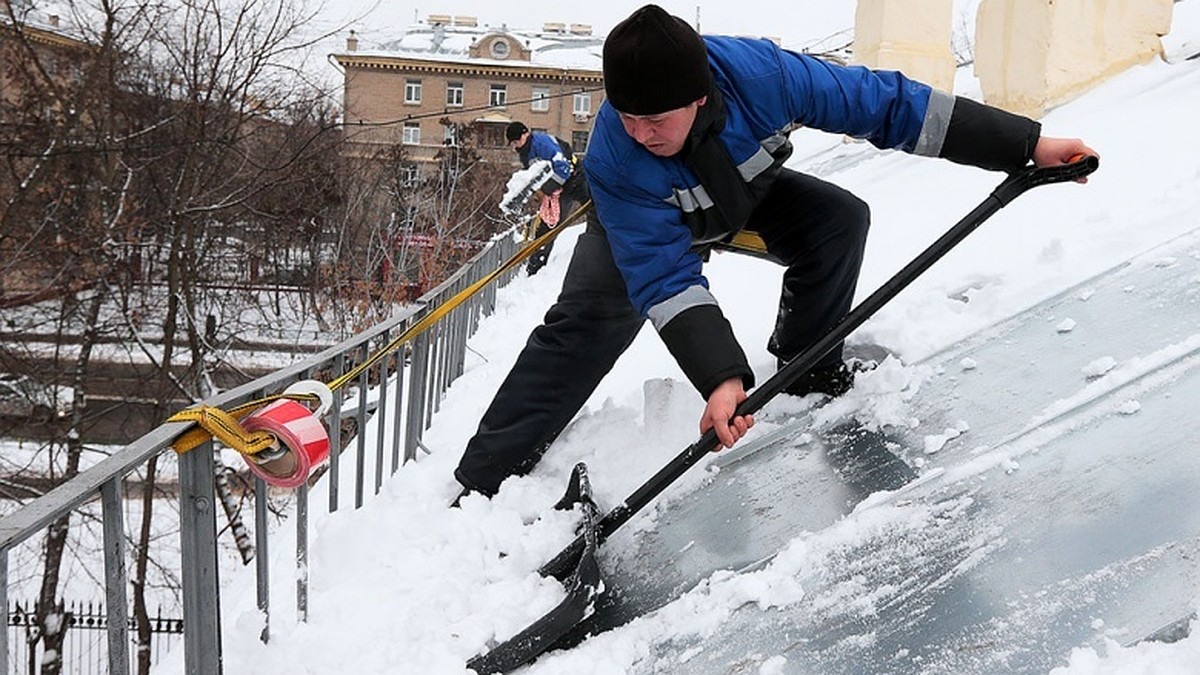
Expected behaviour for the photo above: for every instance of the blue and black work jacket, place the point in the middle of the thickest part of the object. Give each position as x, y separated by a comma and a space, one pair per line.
661, 214
560, 155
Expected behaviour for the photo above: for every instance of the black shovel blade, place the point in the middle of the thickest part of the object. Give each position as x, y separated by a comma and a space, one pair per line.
581, 578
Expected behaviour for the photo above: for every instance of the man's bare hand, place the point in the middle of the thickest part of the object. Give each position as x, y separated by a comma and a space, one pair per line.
1058, 151
718, 414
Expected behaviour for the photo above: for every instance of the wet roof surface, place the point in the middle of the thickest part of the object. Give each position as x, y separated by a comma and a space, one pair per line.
1059, 510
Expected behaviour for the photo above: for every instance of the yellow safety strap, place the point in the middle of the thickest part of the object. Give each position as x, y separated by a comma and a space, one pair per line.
223, 425
746, 242
529, 230
216, 423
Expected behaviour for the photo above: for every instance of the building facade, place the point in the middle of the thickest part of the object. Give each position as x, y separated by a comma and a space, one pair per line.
33, 56
449, 72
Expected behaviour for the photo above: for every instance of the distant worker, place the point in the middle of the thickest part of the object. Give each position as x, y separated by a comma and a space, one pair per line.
562, 193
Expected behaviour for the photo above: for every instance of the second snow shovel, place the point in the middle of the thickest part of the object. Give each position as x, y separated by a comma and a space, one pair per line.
576, 564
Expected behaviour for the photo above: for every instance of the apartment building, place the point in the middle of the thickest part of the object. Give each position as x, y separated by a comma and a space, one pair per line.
452, 69
59, 54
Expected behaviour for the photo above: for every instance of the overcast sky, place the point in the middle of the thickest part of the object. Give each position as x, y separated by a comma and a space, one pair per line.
771, 18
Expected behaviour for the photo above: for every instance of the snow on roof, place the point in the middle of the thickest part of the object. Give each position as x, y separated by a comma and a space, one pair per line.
558, 47
45, 27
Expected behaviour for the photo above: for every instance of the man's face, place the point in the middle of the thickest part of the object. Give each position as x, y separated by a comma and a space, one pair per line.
665, 133
519, 142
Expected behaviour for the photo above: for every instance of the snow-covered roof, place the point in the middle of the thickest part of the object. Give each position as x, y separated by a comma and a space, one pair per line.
47, 28
553, 46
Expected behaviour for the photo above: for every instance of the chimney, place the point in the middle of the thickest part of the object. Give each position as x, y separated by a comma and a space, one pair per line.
352, 42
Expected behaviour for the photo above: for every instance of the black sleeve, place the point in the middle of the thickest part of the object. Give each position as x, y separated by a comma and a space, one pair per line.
702, 342
552, 183
988, 137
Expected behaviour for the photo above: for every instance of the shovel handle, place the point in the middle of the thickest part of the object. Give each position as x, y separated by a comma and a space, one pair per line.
1077, 167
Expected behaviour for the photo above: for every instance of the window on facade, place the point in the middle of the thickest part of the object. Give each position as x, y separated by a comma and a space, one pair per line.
412, 133
500, 49
541, 99
492, 136
408, 175
412, 91
450, 134
579, 140
454, 94
498, 96
583, 104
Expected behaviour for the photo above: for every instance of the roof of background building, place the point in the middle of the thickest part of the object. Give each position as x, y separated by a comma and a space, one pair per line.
555, 45
48, 28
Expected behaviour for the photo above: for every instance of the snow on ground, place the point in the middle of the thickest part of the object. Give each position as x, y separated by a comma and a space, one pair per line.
407, 585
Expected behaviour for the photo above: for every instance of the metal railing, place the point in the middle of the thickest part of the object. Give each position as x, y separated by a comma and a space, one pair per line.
425, 368
84, 649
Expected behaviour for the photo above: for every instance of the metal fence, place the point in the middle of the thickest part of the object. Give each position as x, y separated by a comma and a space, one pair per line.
85, 648
433, 360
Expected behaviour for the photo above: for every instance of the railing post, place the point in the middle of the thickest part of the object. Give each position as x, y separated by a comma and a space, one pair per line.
335, 435
4, 608
416, 396
381, 413
302, 553
114, 577
398, 410
262, 568
198, 553
360, 445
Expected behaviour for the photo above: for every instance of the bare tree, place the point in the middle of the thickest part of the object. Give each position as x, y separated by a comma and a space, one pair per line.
134, 152
164, 156
406, 225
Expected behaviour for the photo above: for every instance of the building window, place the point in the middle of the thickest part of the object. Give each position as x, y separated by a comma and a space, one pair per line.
450, 134
579, 140
492, 136
583, 104
412, 91
412, 133
454, 94
408, 175
498, 96
500, 49
541, 99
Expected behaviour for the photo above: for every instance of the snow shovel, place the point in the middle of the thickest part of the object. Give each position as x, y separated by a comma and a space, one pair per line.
581, 578
576, 561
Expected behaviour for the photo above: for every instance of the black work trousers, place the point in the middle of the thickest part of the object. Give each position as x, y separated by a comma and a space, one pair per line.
816, 229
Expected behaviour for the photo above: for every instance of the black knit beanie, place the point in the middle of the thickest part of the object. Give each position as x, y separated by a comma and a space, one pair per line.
514, 131
654, 62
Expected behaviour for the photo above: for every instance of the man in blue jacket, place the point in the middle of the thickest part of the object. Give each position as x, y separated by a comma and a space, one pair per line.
687, 150
566, 185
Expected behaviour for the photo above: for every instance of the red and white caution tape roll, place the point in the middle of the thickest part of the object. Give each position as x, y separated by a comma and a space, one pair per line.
305, 443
